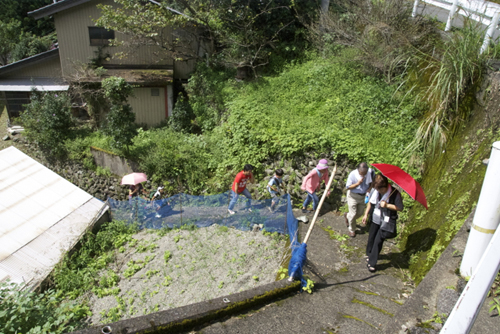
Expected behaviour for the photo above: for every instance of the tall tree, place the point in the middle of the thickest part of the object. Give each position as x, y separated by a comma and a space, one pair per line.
18, 10
9, 36
242, 33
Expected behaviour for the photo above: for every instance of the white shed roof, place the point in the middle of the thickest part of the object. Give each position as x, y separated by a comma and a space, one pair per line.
42, 215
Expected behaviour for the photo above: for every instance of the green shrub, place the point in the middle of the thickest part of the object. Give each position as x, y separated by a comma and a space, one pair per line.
78, 272
120, 126
48, 121
206, 95
24, 311
182, 116
166, 154
120, 119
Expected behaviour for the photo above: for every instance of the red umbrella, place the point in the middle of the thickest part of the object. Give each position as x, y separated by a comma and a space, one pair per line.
134, 178
404, 181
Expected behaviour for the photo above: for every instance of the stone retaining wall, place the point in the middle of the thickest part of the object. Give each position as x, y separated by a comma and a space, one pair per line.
102, 186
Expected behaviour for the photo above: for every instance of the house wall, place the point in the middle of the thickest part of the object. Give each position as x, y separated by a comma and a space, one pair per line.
49, 68
74, 42
149, 109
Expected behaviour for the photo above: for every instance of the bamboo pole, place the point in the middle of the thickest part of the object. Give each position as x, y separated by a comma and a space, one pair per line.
320, 204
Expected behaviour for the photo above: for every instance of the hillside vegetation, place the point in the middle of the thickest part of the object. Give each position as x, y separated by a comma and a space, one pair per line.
320, 105
374, 85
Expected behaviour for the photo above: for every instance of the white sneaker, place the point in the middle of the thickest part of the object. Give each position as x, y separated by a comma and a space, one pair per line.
158, 216
231, 212
249, 210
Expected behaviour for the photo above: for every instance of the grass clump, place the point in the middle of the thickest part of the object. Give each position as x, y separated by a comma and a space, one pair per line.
78, 272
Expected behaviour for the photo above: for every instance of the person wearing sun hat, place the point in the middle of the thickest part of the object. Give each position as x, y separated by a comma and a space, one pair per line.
312, 182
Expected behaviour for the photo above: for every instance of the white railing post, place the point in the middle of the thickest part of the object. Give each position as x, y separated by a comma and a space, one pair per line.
487, 215
489, 32
415, 7
465, 311
453, 10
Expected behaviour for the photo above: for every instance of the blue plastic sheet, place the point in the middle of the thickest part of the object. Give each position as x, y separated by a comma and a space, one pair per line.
203, 211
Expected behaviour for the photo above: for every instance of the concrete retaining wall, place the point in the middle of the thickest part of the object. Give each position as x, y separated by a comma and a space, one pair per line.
116, 164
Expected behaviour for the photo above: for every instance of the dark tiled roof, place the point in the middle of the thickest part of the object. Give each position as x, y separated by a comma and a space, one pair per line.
29, 61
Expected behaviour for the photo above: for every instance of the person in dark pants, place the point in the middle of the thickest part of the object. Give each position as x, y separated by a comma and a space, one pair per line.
387, 202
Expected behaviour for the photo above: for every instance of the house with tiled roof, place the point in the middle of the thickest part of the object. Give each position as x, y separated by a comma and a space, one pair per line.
80, 42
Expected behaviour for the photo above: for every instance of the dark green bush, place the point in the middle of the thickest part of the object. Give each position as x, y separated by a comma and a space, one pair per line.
120, 119
48, 121
206, 95
182, 116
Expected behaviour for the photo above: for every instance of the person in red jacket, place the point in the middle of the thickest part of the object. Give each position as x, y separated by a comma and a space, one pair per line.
239, 187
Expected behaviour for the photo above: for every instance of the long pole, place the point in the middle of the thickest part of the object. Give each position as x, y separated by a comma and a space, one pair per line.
487, 215
320, 204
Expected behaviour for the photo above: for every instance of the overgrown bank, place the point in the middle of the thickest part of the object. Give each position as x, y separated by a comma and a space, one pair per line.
452, 183
323, 105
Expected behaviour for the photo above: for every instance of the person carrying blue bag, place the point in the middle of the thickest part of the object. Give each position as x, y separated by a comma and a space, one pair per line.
274, 188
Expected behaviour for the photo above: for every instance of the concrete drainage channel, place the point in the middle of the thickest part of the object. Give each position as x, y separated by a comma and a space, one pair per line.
187, 317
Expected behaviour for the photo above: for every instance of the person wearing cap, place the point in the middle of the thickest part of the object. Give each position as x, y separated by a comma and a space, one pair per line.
359, 184
312, 182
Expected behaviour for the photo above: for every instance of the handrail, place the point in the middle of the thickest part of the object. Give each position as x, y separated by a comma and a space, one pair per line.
484, 12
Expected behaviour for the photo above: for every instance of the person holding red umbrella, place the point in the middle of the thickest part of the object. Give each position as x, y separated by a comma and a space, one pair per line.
387, 203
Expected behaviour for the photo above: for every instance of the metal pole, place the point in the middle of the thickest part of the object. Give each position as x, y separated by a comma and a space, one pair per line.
465, 311
415, 7
489, 32
487, 215
453, 10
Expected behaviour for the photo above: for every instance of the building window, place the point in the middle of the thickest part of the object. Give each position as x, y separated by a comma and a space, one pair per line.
15, 102
155, 92
99, 36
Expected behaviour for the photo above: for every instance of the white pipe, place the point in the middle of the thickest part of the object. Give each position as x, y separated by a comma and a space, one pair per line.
453, 10
489, 32
415, 6
487, 215
465, 311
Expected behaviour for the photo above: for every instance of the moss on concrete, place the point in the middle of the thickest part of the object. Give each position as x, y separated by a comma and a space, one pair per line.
189, 323
452, 183
357, 301
358, 319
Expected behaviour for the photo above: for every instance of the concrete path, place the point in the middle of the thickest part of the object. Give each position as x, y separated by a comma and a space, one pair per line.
347, 297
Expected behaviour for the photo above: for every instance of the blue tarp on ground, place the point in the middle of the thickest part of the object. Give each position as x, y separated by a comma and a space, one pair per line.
203, 211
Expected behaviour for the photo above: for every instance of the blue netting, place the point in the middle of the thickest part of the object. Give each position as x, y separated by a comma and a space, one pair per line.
203, 211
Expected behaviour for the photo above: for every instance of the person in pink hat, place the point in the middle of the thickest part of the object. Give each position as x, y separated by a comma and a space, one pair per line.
312, 182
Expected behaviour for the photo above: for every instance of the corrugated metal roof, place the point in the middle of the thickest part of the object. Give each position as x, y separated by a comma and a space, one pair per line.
42, 216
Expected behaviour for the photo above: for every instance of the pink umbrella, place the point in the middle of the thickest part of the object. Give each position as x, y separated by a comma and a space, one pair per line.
134, 178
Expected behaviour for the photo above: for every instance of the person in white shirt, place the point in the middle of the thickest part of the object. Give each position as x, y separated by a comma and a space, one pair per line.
359, 184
